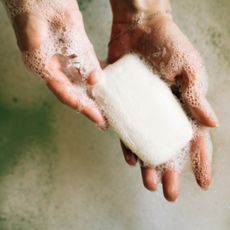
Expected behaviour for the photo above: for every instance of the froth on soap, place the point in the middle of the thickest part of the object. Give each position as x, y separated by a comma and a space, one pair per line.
142, 110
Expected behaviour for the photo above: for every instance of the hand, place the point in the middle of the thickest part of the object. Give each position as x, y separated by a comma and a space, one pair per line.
54, 45
160, 42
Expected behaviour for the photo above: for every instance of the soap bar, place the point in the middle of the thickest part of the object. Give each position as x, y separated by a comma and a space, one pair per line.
142, 110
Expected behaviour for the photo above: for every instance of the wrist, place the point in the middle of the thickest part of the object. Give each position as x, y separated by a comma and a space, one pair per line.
42, 8
126, 11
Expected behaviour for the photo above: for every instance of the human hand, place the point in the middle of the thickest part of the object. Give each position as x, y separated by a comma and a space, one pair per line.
158, 40
54, 45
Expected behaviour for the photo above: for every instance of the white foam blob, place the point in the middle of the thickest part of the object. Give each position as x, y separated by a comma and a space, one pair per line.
142, 110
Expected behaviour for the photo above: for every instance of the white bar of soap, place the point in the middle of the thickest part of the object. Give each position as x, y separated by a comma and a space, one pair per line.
142, 110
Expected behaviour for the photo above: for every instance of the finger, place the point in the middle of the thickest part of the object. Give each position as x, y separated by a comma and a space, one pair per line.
129, 156
76, 99
150, 178
201, 158
203, 112
194, 98
170, 183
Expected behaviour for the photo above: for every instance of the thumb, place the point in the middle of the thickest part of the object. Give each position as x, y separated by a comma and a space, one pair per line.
194, 96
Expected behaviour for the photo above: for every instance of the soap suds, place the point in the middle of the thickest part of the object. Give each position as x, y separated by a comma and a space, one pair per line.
63, 37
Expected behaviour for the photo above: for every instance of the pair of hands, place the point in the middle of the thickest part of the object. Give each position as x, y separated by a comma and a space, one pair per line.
158, 40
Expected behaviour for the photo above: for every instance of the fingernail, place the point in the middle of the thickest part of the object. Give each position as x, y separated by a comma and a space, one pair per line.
216, 120
131, 159
213, 116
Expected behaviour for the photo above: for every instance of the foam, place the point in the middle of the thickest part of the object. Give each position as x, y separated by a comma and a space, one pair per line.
186, 64
182, 62
63, 36
178, 163
142, 110
45, 8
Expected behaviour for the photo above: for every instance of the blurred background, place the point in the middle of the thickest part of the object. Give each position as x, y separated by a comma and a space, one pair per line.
59, 172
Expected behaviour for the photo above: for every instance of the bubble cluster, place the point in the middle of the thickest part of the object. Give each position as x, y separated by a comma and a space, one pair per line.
190, 157
44, 8
65, 37
192, 77
201, 165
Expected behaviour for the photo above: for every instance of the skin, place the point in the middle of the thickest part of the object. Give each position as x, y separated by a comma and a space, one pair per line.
32, 30
159, 41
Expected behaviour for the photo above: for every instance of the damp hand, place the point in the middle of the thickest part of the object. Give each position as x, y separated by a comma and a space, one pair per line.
54, 45
161, 43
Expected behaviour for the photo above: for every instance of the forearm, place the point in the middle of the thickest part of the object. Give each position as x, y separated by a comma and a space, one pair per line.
126, 10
